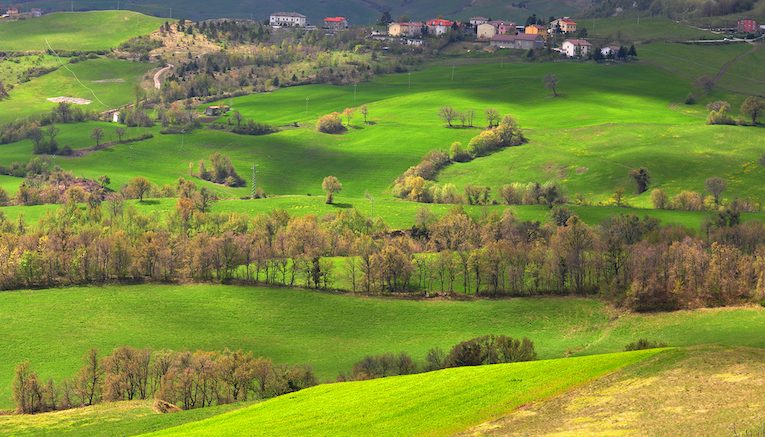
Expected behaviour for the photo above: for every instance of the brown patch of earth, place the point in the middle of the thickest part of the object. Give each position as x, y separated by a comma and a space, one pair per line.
693, 392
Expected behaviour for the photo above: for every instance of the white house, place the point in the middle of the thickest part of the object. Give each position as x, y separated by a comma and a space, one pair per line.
610, 50
477, 21
287, 19
438, 26
576, 48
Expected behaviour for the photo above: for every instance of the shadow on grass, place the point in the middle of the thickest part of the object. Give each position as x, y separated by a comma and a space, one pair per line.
342, 205
149, 202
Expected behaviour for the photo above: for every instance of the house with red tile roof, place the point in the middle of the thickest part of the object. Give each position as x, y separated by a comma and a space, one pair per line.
335, 23
438, 26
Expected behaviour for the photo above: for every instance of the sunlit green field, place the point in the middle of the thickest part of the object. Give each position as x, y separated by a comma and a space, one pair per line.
435, 403
82, 31
107, 83
609, 119
328, 331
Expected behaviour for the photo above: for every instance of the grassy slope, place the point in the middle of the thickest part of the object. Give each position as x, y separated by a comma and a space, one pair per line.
330, 332
435, 403
12, 69
659, 396
606, 123
104, 420
30, 98
101, 30
628, 29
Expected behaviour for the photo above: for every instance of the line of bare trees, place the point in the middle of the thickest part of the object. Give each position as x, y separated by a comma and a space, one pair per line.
184, 379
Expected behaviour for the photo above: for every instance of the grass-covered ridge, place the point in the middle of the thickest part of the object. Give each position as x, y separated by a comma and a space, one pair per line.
328, 331
435, 403
80, 31
106, 419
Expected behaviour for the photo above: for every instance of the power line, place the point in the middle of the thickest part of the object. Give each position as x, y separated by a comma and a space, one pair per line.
73, 73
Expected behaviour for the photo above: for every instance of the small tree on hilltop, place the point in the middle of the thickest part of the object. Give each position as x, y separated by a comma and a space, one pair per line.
642, 179
364, 112
551, 83
715, 185
753, 107
348, 114
448, 114
331, 185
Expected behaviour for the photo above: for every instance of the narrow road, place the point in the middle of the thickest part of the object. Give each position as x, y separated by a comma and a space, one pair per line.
158, 75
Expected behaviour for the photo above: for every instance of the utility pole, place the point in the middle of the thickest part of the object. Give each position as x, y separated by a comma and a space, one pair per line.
306, 105
354, 92
254, 192
452, 71
410, 80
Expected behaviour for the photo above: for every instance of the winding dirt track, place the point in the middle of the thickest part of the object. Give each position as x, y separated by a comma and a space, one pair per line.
158, 75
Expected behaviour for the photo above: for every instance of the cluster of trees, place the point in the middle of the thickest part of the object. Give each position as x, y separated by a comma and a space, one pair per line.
417, 183
622, 54
479, 351
710, 200
32, 127
238, 125
47, 183
185, 379
233, 31
753, 108
221, 171
631, 260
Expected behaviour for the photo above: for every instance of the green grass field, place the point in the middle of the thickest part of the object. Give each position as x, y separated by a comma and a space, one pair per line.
630, 28
13, 69
83, 31
107, 83
105, 420
435, 403
328, 331
610, 118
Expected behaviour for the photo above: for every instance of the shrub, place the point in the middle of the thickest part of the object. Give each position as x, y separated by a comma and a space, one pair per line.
659, 199
457, 153
330, 124
642, 179
490, 349
688, 201
380, 366
690, 99
644, 344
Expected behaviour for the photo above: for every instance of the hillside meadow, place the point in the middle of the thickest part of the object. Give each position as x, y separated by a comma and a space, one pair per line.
81, 31
434, 403
105, 82
328, 331
604, 124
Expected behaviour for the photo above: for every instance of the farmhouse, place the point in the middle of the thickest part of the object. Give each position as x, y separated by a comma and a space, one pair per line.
12, 12
535, 29
610, 50
521, 41
410, 29
497, 27
565, 24
36, 12
576, 48
287, 19
214, 111
439, 26
747, 25
477, 21
335, 23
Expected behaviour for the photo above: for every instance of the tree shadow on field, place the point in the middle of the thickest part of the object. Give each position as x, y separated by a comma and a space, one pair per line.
149, 202
342, 205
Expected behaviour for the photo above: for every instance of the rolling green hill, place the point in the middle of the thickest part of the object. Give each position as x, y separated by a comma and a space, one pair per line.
91, 31
608, 120
105, 82
328, 331
105, 420
434, 403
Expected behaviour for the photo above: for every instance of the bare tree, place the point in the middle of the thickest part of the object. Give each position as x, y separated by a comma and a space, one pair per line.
348, 114
364, 112
120, 131
715, 185
492, 117
97, 135
448, 114
551, 83
238, 118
